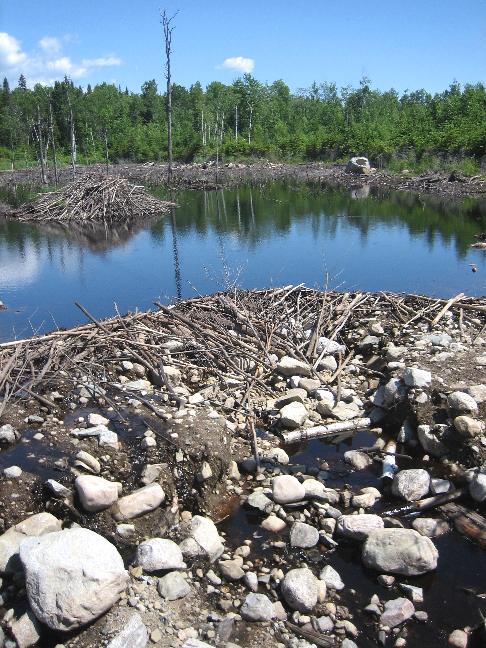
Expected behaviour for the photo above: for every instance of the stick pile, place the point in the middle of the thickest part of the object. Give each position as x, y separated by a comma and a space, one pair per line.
94, 198
228, 339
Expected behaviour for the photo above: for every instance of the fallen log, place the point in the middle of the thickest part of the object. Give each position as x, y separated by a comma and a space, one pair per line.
469, 523
319, 431
425, 504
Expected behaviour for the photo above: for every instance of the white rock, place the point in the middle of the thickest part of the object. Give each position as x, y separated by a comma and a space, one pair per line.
325, 345
289, 366
203, 539
96, 419
132, 633
287, 489
72, 577
300, 589
462, 402
173, 586
303, 535
96, 493
358, 527
357, 459
257, 607
478, 392
411, 484
8, 434
430, 442
139, 502
417, 377
159, 554
399, 551
273, 524
397, 612
88, 461
293, 415
12, 472
327, 363
26, 630
331, 577
477, 487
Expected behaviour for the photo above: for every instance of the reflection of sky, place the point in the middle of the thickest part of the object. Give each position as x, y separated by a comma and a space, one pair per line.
40, 283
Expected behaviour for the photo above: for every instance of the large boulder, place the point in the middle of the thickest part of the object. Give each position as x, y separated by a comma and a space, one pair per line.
359, 164
358, 527
257, 607
139, 502
96, 493
287, 489
300, 589
72, 577
399, 551
10, 541
293, 415
173, 586
202, 539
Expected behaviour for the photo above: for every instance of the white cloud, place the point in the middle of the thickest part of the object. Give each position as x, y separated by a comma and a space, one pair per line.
48, 63
239, 63
102, 61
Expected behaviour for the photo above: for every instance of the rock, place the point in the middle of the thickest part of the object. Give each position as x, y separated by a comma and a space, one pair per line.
399, 551
296, 395
276, 456
331, 577
389, 394
347, 643
231, 569
173, 375
309, 384
314, 489
131, 631
411, 484
430, 442
468, 427
96, 419
257, 607
357, 459
205, 539
462, 402
396, 612
88, 461
478, 392
322, 624
430, 527
273, 524
303, 535
72, 577
289, 366
293, 415
158, 554
359, 165
325, 345
140, 385
439, 339
327, 363
440, 486
205, 473
458, 639
260, 501
26, 630
151, 473
233, 471
300, 589
8, 434
358, 527
173, 586
10, 541
251, 581
477, 487
139, 502
57, 489
96, 493
364, 500
287, 489
345, 411
12, 472
417, 377
415, 594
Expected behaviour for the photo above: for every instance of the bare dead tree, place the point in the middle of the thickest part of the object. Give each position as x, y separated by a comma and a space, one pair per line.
51, 130
39, 136
72, 136
168, 29
236, 122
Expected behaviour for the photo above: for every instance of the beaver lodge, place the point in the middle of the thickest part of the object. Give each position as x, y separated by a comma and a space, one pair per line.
94, 198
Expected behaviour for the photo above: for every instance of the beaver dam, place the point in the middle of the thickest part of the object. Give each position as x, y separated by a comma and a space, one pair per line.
94, 198
286, 467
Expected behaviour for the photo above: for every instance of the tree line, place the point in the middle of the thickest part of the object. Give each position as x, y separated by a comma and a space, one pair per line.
66, 123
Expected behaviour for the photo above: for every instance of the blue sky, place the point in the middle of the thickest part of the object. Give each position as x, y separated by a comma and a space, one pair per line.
405, 45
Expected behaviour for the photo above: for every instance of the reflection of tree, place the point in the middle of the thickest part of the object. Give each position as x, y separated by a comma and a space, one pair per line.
175, 251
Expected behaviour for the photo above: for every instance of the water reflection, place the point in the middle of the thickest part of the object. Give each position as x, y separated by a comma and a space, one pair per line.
276, 234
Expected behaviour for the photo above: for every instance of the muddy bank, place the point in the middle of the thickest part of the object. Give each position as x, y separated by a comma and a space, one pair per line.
166, 436
210, 176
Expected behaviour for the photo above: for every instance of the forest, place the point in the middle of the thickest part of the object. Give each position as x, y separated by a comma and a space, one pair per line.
246, 119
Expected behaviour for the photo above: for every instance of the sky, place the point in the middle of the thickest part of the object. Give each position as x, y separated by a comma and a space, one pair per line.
404, 45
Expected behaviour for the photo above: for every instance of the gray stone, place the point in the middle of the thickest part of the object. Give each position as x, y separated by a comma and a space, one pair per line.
8, 434
204, 537
462, 402
12, 472
57, 489
309, 384
458, 639
331, 577
440, 486
314, 489
26, 630
430, 527
327, 363
468, 427
430, 442
417, 377
173, 375
251, 581
300, 589
257, 607
325, 345
139, 502
273, 524
232, 569
389, 394
132, 632
357, 459
276, 456
288, 366
260, 501
96, 493
287, 489
72, 577
10, 541
358, 527
411, 484
414, 593
399, 551
397, 612
293, 415
303, 535
87, 460
359, 165
159, 554
477, 487
296, 395
322, 624
345, 411
151, 473
173, 586
478, 392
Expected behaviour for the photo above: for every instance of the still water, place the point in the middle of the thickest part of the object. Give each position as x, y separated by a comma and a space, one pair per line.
250, 237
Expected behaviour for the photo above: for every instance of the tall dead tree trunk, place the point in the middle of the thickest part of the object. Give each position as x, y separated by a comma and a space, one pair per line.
72, 135
51, 129
168, 29
236, 122
40, 141
250, 123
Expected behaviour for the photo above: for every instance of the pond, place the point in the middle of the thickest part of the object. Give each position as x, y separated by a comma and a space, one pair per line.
277, 234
